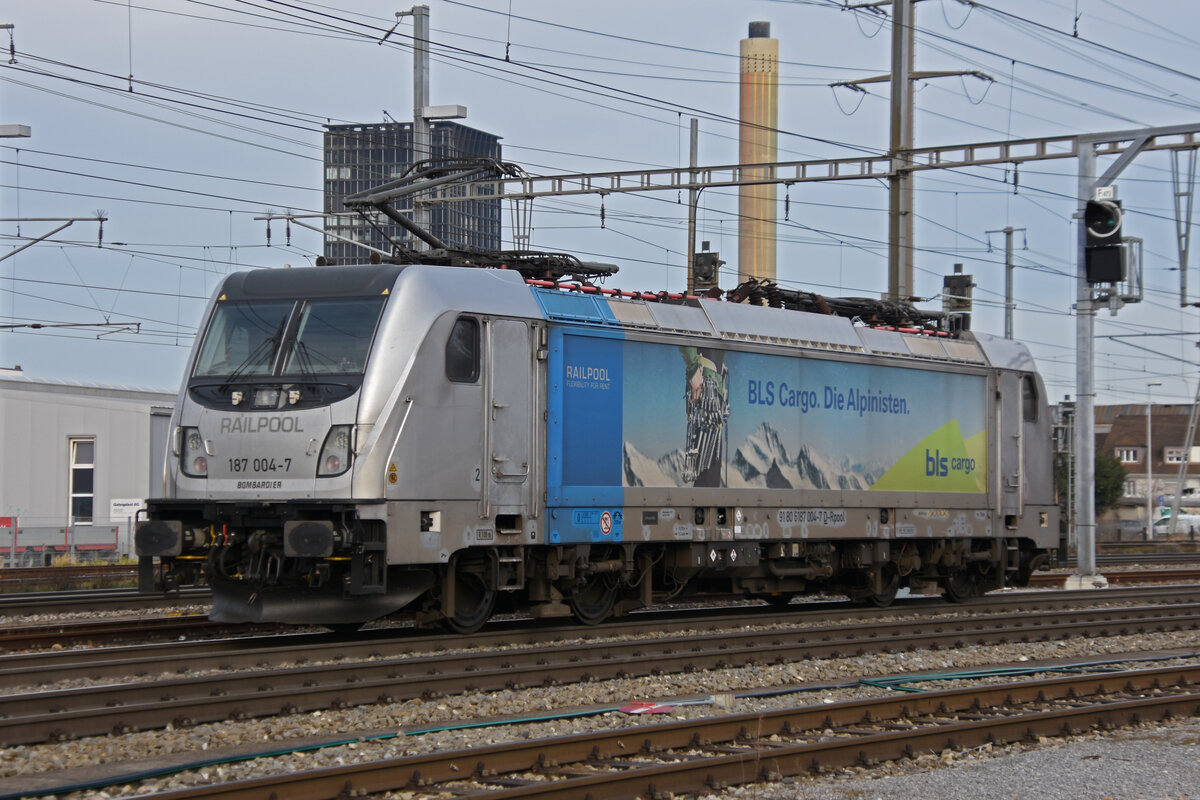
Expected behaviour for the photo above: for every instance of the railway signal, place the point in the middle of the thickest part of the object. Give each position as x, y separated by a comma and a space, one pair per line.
705, 272
1103, 251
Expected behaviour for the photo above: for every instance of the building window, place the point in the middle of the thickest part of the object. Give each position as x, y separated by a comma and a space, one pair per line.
1129, 455
1173, 455
82, 480
1131, 489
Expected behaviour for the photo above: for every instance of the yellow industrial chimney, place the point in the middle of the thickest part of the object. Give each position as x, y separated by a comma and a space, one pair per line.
759, 121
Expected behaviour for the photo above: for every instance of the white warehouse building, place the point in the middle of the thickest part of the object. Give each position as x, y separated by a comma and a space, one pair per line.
77, 460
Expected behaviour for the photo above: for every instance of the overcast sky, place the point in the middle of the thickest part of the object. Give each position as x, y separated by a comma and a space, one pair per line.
182, 121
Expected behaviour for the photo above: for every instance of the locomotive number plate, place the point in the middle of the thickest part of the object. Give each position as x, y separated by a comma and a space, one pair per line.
261, 465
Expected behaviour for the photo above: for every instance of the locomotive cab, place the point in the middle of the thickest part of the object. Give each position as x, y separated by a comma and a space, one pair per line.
268, 420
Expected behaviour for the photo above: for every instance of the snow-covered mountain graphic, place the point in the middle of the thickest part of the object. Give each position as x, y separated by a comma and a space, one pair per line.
641, 470
761, 461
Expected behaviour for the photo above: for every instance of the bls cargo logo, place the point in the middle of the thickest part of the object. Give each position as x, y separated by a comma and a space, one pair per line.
940, 466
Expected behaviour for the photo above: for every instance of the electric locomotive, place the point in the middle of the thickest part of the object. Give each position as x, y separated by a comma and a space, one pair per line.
359, 441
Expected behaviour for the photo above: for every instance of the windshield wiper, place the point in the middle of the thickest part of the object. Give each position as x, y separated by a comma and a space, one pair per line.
304, 360
252, 357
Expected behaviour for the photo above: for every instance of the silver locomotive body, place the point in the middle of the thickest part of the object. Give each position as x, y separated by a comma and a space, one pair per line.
356, 441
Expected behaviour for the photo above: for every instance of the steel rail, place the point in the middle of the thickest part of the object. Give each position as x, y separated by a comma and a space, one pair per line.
258, 648
66, 573
179, 627
96, 600
1126, 577
645, 761
182, 701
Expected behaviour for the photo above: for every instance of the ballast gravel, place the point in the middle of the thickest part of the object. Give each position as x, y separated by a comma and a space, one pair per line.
1154, 762
1151, 762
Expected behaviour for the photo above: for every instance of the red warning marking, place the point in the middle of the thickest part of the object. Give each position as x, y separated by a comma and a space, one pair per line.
643, 707
606, 523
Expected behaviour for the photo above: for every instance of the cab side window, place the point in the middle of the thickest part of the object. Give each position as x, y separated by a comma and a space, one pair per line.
462, 351
1030, 402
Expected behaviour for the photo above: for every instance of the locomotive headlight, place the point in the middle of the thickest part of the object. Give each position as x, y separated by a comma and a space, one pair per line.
193, 460
335, 453
266, 398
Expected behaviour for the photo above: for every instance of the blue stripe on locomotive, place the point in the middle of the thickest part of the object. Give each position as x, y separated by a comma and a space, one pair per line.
584, 420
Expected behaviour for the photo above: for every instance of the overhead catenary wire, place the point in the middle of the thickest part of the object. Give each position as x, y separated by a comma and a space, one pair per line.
932, 251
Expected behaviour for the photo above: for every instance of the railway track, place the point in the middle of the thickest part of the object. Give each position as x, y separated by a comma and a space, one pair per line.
1157, 544
712, 754
239, 681
21, 578
191, 625
93, 600
1045, 579
14, 602
1148, 559
193, 636
1138, 556
112, 632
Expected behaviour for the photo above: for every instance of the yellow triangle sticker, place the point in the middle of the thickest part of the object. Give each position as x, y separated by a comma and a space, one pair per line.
942, 462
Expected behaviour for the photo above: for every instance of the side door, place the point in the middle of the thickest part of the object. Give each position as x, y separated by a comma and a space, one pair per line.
1012, 473
509, 416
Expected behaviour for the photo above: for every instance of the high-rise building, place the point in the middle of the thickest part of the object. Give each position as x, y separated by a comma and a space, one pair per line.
362, 157
759, 123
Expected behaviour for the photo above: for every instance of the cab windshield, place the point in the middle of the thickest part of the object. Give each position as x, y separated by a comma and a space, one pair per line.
287, 337
243, 339
334, 336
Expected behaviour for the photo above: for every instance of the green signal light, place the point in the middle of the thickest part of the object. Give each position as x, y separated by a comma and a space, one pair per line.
1102, 218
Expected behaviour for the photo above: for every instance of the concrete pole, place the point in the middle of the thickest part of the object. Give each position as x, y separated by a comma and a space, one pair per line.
1008, 278
900, 189
1085, 395
693, 201
1149, 466
420, 142
1008, 284
1181, 481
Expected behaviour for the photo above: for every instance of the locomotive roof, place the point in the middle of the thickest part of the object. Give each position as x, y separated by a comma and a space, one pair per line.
353, 281
588, 306
741, 322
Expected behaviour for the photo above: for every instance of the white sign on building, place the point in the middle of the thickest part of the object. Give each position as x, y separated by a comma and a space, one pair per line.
121, 510
123, 513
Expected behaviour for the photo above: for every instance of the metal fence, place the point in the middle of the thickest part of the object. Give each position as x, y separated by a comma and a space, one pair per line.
39, 542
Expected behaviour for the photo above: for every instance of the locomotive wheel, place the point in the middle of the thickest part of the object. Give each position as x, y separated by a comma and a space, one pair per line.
891, 585
473, 603
960, 586
778, 600
594, 602
1029, 563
